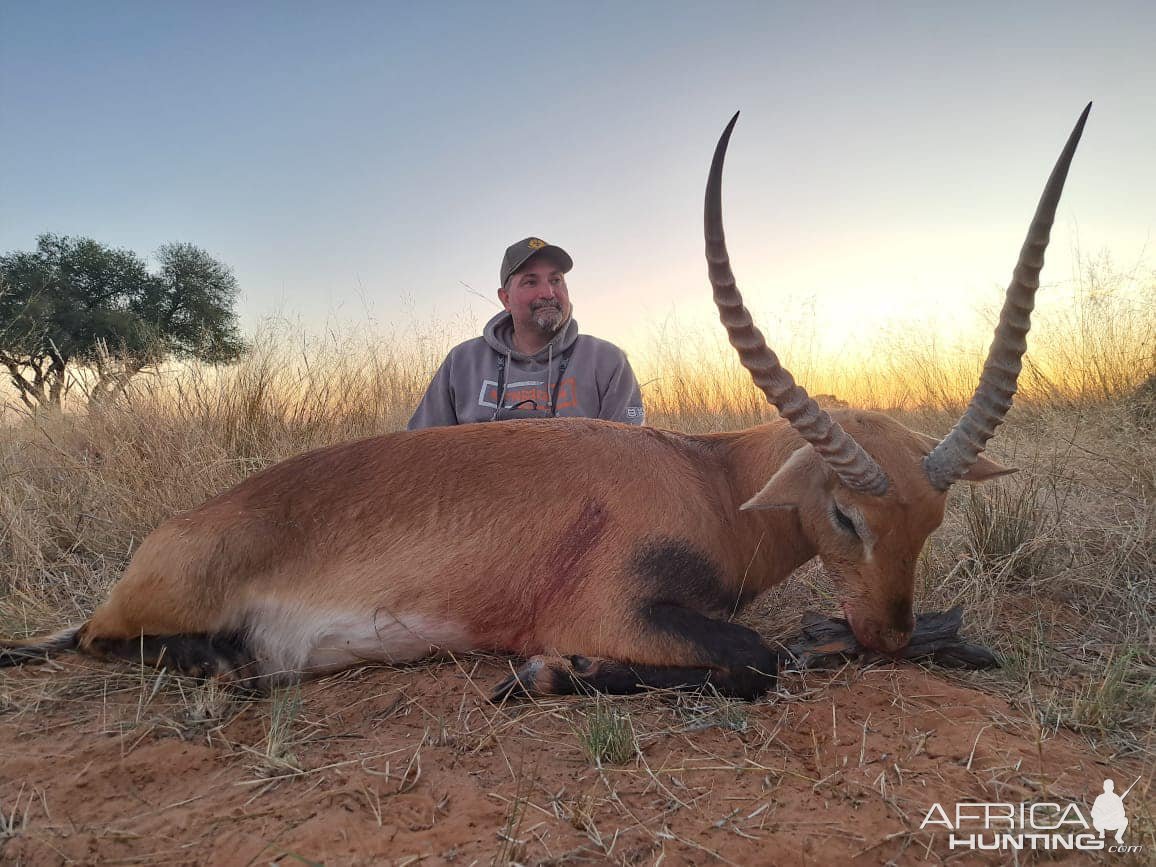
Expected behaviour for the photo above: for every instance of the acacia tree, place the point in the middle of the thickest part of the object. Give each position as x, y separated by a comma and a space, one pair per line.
74, 302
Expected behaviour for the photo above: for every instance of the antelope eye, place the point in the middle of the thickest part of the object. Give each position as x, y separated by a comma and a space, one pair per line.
845, 522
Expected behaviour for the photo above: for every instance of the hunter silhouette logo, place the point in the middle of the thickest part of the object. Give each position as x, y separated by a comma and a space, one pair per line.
1108, 812
1039, 825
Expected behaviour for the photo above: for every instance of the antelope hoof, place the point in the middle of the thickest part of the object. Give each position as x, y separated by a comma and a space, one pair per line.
539, 675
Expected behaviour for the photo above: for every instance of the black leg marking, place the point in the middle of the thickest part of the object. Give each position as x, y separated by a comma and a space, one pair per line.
623, 678
583, 675
223, 656
743, 665
731, 658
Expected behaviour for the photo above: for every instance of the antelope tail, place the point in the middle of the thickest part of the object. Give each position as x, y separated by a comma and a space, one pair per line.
37, 650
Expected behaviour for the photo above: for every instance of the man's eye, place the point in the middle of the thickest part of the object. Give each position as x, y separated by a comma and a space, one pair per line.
845, 522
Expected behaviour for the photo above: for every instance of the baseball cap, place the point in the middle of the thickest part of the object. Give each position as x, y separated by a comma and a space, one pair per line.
519, 254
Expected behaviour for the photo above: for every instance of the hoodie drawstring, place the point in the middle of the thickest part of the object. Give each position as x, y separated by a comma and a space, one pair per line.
500, 389
549, 367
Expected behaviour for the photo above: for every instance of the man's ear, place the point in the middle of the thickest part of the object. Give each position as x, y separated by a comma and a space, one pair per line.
504, 297
984, 470
788, 487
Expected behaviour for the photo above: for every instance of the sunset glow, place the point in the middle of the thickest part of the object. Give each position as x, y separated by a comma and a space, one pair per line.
364, 167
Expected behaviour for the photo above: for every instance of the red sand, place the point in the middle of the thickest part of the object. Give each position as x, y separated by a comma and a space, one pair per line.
405, 766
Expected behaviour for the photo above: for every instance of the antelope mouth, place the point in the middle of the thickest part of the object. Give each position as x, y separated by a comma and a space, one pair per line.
875, 636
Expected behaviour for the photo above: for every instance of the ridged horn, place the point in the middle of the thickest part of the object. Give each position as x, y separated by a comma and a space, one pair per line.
854, 467
958, 451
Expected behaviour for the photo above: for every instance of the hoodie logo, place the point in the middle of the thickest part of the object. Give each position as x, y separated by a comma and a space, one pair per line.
529, 394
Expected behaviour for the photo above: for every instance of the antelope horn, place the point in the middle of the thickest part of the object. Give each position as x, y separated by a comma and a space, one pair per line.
958, 451
851, 463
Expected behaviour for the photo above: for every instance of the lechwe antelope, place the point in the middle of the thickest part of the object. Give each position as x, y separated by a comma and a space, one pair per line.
610, 557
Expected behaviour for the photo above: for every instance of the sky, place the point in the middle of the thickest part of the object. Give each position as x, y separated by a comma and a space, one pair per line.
368, 163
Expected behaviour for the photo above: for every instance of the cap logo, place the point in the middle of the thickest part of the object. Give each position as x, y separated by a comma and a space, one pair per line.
536, 243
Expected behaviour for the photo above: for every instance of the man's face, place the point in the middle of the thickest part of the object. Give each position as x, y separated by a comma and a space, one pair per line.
536, 297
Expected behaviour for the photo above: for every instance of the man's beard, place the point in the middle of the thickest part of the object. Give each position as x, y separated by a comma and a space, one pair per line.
549, 318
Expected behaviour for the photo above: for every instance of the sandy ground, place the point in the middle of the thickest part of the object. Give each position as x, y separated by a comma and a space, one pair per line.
404, 766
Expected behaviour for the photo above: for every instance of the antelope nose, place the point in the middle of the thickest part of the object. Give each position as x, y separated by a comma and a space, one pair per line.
894, 631
892, 640
885, 639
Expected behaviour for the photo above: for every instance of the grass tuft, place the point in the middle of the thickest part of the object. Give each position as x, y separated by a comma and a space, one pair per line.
1004, 523
606, 735
277, 757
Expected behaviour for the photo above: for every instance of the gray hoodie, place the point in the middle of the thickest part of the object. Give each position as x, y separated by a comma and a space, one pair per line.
591, 377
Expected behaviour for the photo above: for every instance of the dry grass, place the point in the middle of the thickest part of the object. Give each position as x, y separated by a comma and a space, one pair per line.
1054, 565
607, 735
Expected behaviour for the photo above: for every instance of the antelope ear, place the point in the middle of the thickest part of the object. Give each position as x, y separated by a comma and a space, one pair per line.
984, 470
788, 487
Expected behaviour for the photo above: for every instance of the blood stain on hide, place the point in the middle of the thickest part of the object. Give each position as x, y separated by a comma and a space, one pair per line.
553, 579
561, 570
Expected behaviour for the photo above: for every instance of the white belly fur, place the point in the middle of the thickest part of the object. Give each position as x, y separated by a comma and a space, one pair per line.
292, 638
